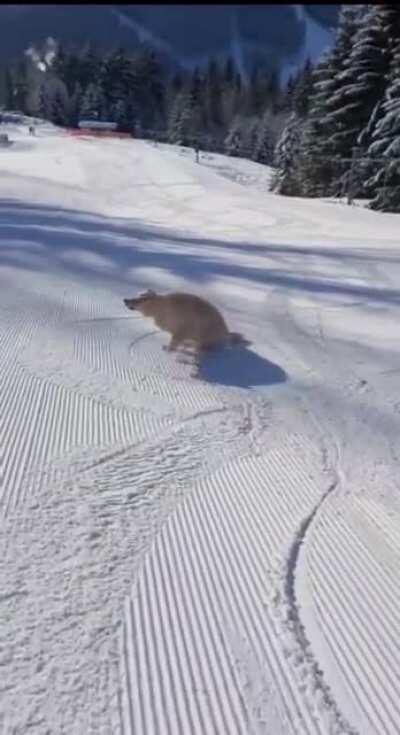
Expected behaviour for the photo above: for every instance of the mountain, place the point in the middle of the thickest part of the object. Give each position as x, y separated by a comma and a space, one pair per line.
276, 35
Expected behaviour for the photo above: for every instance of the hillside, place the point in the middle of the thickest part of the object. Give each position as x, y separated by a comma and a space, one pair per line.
184, 550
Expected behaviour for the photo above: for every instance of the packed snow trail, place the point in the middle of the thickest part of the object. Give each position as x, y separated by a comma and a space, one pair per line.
194, 555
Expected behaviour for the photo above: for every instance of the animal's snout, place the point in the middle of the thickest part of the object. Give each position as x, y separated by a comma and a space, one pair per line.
130, 303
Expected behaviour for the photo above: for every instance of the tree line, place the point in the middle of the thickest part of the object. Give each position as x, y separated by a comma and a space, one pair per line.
215, 106
348, 134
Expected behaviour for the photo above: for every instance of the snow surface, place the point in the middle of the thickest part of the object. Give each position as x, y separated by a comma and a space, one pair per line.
206, 555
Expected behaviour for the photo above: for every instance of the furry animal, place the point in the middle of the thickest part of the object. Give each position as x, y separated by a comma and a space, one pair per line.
187, 318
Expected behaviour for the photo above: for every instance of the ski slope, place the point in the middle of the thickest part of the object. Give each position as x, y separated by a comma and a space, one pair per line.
178, 554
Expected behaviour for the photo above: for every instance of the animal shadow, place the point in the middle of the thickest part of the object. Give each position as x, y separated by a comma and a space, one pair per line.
239, 367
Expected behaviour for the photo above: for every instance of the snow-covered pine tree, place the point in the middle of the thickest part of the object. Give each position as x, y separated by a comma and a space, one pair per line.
60, 103
263, 150
93, 103
273, 91
174, 116
229, 94
9, 89
148, 88
90, 67
115, 79
315, 171
75, 106
362, 83
257, 93
234, 140
302, 90
239, 97
229, 71
53, 101
186, 123
386, 141
173, 86
131, 115
180, 125
60, 63
45, 101
315, 160
249, 134
212, 95
21, 85
118, 114
286, 178
286, 101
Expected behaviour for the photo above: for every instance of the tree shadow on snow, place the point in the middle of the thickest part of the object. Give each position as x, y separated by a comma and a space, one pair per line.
240, 367
42, 237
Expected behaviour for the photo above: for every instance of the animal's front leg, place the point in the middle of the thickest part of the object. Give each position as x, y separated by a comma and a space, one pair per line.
174, 342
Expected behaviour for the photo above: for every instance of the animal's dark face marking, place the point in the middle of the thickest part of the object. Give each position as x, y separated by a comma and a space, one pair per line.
135, 302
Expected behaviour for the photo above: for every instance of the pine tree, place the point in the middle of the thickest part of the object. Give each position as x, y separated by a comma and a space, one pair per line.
93, 103
75, 106
173, 119
229, 94
362, 84
115, 79
386, 142
286, 178
59, 64
90, 67
197, 101
315, 168
177, 82
302, 90
59, 111
239, 98
21, 86
257, 92
180, 126
272, 91
45, 101
213, 94
9, 90
286, 98
249, 127
172, 88
234, 140
147, 86
229, 73
264, 146
187, 114
320, 177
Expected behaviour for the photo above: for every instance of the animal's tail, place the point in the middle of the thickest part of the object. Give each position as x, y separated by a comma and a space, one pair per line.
235, 338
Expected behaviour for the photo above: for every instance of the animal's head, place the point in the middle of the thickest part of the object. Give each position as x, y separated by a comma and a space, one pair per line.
143, 302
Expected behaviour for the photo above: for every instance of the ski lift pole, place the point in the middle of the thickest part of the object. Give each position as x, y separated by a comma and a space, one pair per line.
350, 189
385, 180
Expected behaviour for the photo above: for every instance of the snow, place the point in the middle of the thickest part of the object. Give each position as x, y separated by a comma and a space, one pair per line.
180, 554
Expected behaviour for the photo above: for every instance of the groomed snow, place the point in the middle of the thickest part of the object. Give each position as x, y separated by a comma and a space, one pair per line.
206, 556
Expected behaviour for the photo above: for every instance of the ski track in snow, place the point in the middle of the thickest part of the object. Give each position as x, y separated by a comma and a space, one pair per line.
202, 605
181, 554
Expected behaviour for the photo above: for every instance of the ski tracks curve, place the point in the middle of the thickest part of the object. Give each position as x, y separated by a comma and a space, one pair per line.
346, 595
